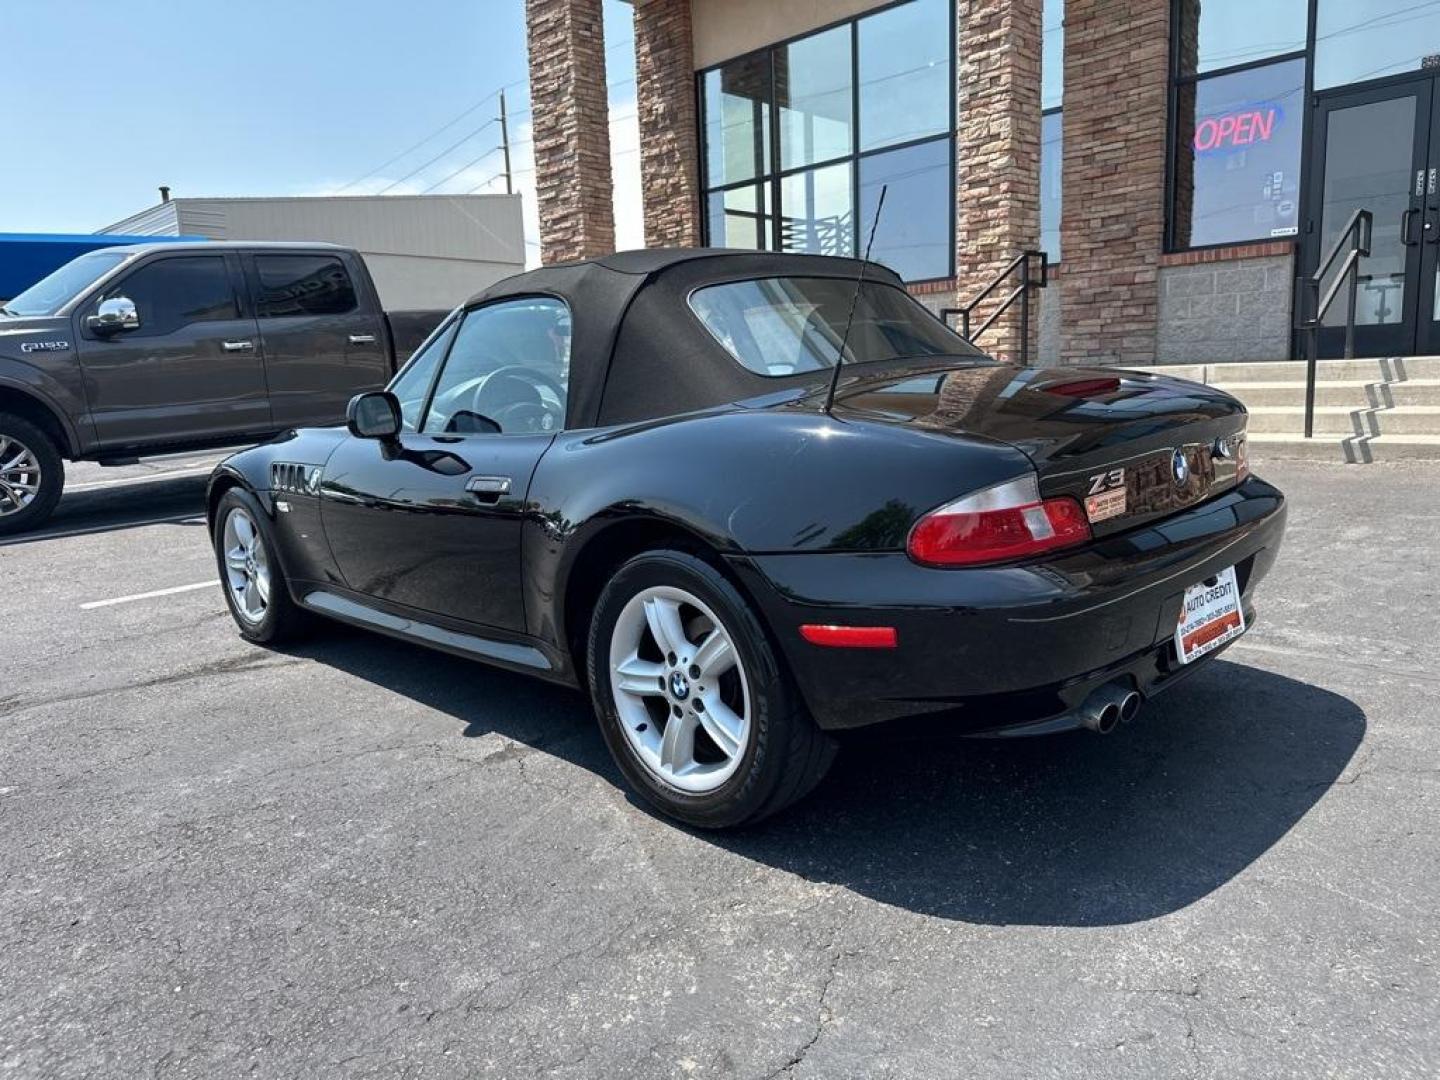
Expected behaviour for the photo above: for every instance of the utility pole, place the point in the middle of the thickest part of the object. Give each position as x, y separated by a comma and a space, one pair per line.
505, 144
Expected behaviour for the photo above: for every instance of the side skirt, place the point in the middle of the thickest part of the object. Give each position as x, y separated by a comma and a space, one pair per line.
506, 653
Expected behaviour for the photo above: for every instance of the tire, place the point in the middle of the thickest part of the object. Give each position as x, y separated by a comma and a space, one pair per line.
256, 573
31, 485
748, 748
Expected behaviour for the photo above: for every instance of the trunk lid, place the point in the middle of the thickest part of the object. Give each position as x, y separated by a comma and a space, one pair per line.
1130, 446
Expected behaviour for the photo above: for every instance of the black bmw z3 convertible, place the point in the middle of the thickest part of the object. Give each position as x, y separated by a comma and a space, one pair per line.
643, 475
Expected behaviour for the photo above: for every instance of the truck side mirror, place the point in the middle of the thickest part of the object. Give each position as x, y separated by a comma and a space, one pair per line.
114, 315
374, 415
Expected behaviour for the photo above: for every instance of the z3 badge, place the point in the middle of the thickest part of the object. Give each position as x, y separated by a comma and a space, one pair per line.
1106, 497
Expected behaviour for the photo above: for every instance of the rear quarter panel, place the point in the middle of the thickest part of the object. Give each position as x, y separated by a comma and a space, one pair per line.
744, 481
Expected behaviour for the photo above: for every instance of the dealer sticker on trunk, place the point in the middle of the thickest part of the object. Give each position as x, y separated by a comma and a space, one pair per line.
1106, 497
1210, 616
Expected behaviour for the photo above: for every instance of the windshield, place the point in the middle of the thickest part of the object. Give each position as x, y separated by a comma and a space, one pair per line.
788, 325
48, 295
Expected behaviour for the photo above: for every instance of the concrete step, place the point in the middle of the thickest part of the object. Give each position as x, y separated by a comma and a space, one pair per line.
1266, 445
1356, 394
1342, 420
1374, 370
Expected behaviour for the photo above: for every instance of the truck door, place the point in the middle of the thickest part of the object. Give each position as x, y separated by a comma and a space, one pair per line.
323, 332
190, 372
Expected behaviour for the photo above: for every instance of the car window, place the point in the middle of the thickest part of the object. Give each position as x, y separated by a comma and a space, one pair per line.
787, 325
510, 364
302, 285
413, 383
172, 293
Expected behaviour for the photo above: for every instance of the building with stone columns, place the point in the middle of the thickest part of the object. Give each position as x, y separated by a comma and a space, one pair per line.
1182, 162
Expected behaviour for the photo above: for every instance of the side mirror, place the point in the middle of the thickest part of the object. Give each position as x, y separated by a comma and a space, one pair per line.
113, 315
374, 415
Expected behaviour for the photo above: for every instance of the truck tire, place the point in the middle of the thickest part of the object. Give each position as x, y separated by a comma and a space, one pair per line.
32, 475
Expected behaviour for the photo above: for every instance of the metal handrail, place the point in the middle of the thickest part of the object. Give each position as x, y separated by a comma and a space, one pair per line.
1021, 292
1356, 235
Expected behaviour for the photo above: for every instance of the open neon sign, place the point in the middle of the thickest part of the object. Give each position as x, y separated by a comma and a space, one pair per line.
1243, 127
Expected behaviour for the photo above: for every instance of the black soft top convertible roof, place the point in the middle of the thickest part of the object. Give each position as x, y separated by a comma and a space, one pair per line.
637, 351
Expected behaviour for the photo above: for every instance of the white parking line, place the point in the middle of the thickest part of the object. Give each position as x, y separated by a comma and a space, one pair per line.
149, 595
140, 478
30, 538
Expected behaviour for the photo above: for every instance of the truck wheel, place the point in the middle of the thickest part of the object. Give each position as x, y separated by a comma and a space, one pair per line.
32, 475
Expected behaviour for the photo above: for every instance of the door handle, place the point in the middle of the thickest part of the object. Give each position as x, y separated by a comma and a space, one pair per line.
237, 346
362, 339
1431, 228
1405, 221
488, 489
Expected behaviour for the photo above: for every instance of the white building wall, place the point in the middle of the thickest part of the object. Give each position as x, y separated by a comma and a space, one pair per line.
424, 251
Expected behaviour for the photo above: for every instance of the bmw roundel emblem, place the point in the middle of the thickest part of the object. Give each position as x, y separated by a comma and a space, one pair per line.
1179, 468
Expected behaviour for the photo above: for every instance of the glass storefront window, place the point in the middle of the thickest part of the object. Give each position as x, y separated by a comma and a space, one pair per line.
736, 219
737, 120
1052, 54
815, 99
1237, 156
1358, 40
904, 68
1214, 34
913, 235
816, 216
1050, 190
794, 134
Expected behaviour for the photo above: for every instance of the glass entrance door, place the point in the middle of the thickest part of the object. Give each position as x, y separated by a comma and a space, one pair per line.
1379, 150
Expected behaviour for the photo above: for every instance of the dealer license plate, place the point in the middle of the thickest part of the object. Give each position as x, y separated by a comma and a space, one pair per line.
1210, 616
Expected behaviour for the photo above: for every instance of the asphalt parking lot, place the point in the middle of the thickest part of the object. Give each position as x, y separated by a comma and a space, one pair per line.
357, 858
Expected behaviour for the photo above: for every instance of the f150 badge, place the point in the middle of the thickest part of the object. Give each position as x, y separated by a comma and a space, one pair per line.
44, 346
1106, 496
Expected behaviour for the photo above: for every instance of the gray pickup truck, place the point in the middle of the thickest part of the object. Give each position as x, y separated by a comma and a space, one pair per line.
166, 347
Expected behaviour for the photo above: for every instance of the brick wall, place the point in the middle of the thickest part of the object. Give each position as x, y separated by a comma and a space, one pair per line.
997, 177
1112, 223
570, 112
669, 136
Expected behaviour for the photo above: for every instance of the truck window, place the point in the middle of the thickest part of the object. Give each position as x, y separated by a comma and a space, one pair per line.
302, 285
176, 292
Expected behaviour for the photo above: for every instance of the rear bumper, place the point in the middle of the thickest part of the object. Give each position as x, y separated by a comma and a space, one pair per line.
1005, 647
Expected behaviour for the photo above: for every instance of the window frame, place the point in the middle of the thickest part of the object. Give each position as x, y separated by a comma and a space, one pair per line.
1172, 116
772, 180
458, 317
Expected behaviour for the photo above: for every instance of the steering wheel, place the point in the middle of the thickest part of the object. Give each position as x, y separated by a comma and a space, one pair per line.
512, 397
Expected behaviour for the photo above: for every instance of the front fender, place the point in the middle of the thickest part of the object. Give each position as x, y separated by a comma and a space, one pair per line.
63, 398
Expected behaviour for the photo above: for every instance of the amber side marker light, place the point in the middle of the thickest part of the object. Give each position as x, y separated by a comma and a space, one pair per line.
851, 637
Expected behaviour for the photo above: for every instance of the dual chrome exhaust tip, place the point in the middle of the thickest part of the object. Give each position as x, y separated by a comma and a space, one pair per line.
1108, 706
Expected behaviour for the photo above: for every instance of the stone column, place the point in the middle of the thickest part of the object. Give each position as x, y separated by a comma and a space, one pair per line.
1113, 218
571, 116
669, 136
997, 153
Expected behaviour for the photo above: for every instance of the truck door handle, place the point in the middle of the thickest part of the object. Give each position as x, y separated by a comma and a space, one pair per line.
488, 489
362, 339
237, 346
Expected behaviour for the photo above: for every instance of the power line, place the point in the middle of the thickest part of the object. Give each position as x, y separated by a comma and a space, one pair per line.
409, 150
453, 146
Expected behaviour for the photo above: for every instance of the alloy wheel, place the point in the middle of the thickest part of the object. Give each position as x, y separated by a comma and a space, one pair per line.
20, 476
247, 567
680, 689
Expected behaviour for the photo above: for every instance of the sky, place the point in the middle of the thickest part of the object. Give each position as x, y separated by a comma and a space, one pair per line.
106, 101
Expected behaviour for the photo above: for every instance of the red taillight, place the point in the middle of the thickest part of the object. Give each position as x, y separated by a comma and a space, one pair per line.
1008, 521
850, 637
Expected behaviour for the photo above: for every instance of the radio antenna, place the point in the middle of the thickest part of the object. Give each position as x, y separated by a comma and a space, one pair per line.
854, 298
